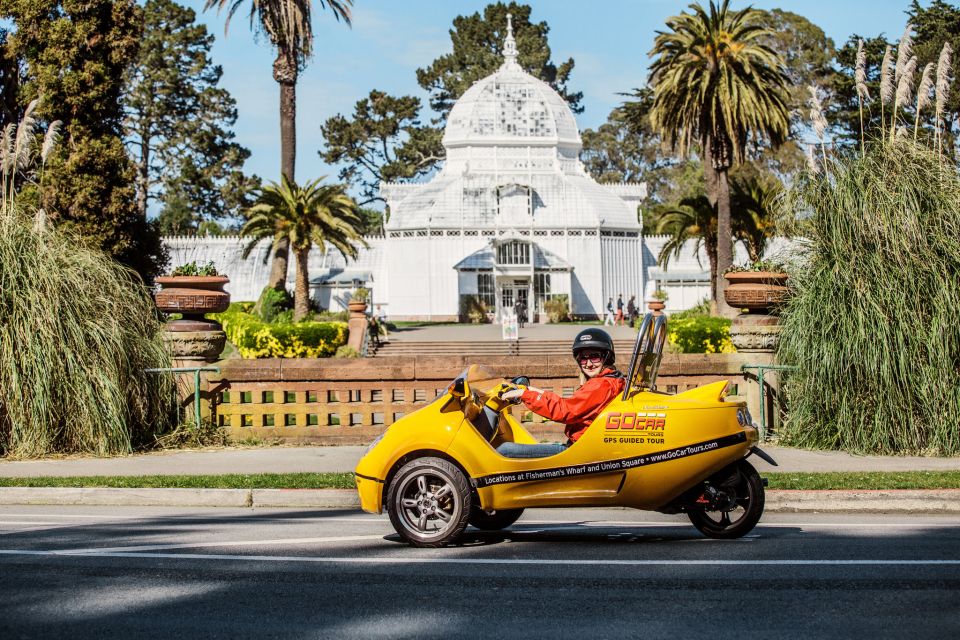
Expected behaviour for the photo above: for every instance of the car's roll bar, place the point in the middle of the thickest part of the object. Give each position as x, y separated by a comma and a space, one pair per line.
647, 353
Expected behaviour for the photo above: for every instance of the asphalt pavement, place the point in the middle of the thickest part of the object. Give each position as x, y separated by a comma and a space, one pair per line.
107, 572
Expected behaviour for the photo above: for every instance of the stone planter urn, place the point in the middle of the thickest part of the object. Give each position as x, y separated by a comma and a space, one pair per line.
357, 307
759, 295
756, 291
193, 338
656, 306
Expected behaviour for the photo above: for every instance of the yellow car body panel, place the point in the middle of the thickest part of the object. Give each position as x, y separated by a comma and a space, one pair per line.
640, 452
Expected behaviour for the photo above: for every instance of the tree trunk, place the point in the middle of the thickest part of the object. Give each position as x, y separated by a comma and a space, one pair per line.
724, 242
301, 292
285, 73
709, 173
143, 175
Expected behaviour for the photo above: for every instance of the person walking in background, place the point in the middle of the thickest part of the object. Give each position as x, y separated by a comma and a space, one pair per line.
382, 321
632, 312
608, 317
521, 310
620, 309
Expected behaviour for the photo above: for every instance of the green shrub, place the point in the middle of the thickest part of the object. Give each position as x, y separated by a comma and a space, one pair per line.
472, 309
558, 308
700, 309
193, 269
872, 326
273, 303
699, 334
346, 352
255, 338
332, 316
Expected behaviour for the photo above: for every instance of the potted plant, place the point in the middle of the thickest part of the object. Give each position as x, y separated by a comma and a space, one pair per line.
658, 301
193, 290
759, 287
358, 300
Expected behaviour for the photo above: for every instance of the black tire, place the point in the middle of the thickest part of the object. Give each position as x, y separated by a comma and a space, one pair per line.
746, 512
500, 519
429, 502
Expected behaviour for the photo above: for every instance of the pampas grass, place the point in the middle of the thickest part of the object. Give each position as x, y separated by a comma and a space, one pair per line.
923, 95
818, 120
942, 89
871, 327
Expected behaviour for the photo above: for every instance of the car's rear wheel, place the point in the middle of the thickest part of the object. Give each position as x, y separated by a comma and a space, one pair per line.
739, 490
429, 502
499, 519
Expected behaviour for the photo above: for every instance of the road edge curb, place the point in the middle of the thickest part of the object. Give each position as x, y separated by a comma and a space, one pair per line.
777, 501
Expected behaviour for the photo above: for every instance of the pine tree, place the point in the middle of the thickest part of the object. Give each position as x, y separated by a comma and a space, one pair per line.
74, 54
178, 120
477, 44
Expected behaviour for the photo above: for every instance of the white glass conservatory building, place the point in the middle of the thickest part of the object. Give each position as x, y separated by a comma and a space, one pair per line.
512, 215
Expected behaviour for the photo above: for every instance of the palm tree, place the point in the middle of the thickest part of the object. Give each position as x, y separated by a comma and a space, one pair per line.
314, 214
753, 200
693, 218
716, 86
287, 25
696, 219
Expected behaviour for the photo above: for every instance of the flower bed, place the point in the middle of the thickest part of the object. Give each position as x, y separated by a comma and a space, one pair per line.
255, 338
699, 334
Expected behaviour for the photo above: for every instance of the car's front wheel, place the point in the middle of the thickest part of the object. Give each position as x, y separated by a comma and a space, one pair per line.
429, 502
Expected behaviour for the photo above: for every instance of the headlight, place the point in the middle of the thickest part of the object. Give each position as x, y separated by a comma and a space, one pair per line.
375, 442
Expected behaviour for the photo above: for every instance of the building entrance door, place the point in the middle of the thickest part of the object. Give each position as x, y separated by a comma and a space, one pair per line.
513, 292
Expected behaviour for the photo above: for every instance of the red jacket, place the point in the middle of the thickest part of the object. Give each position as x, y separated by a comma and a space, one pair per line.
580, 409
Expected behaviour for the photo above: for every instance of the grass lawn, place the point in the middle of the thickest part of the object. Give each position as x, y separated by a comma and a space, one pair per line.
849, 481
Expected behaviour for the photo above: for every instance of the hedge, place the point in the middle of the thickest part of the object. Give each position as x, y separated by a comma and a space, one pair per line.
699, 334
255, 338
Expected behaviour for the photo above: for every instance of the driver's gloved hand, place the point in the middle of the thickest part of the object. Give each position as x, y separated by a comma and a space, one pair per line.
512, 395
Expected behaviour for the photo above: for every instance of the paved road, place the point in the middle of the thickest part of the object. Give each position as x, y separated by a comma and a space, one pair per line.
151, 572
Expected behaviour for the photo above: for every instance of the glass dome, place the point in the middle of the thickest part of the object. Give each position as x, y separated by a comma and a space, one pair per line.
511, 107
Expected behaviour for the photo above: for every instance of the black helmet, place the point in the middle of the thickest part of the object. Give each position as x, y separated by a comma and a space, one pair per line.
594, 338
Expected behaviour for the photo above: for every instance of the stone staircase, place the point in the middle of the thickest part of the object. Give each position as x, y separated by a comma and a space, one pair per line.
489, 348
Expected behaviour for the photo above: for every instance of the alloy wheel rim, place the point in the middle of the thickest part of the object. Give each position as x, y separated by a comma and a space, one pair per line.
428, 504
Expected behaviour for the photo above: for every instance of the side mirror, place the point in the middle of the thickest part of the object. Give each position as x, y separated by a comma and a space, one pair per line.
522, 381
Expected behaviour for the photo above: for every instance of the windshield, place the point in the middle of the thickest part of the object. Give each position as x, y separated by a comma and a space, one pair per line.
480, 379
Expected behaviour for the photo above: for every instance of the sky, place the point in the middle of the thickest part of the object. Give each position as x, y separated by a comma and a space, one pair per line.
389, 40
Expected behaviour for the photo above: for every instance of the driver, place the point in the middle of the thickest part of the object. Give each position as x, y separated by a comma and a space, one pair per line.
600, 383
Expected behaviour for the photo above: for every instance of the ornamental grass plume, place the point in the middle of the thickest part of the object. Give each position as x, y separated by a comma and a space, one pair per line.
860, 79
860, 73
871, 325
818, 120
923, 95
942, 89
904, 90
904, 51
886, 84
